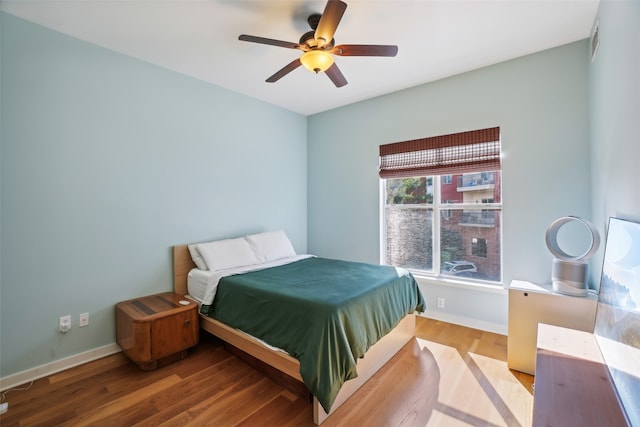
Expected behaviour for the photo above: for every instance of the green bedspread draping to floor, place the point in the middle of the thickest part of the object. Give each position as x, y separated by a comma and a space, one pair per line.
326, 313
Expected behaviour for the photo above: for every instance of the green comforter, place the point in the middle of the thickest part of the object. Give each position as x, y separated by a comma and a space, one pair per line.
325, 313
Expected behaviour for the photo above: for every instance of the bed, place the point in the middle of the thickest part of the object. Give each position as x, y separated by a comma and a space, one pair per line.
325, 399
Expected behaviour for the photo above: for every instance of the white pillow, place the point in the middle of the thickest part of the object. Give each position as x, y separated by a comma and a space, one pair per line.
271, 245
197, 259
230, 253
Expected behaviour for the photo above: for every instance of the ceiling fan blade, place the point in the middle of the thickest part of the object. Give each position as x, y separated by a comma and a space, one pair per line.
284, 70
329, 21
336, 75
365, 50
271, 42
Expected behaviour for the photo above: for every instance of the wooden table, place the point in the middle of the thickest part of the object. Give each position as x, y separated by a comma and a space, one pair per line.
572, 384
156, 329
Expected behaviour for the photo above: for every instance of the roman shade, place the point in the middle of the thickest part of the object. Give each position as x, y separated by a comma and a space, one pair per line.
464, 152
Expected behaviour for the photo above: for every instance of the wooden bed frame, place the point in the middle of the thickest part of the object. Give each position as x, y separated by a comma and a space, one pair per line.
376, 357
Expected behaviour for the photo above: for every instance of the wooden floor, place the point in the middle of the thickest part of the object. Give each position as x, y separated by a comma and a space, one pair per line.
448, 376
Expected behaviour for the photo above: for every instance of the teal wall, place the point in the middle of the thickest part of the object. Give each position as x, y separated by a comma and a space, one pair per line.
107, 162
540, 103
614, 89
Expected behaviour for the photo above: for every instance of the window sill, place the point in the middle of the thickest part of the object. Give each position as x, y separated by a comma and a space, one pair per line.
476, 286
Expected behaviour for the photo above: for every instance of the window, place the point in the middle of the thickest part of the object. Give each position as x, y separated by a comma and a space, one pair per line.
479, 247
442, 205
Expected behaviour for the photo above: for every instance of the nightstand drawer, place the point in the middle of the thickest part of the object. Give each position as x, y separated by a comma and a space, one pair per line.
173, 333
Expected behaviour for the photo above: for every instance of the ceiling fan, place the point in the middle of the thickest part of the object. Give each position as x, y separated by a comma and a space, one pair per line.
319, 47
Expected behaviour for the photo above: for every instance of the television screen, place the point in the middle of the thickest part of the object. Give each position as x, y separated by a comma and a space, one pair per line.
617, 327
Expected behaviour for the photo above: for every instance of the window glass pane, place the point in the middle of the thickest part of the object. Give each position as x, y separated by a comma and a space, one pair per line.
409, 231
470, 243
409, 191
479, 187
409, 222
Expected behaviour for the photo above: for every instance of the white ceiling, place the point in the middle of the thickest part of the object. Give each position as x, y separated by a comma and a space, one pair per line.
435, 38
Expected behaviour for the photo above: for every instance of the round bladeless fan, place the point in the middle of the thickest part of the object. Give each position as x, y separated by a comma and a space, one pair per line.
569, 272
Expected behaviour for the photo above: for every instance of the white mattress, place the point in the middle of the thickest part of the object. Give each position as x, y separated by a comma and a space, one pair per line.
197, 283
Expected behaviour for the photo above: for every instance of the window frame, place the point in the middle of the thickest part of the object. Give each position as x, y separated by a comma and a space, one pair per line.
438, 208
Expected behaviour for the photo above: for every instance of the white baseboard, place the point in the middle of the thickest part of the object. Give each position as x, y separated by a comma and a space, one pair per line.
23, 377
26, 376
466, 321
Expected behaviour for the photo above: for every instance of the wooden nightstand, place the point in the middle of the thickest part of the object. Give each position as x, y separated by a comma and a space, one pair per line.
156, 329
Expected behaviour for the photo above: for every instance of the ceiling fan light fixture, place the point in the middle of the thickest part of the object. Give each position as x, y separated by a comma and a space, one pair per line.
317, 60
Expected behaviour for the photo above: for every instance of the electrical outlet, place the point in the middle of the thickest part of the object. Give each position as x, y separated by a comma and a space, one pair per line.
83, 320
64, 324
440, 302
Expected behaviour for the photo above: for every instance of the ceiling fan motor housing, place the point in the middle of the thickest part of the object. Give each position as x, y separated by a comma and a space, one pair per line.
308, 39
313, 20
